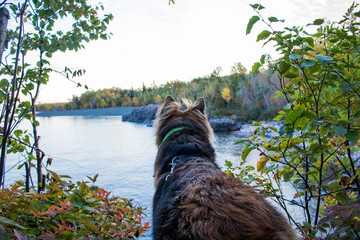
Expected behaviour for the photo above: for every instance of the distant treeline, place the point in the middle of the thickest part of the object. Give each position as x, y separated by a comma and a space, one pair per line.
240, 94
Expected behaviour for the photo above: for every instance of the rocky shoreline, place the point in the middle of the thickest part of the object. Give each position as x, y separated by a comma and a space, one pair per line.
141, 115
146, 115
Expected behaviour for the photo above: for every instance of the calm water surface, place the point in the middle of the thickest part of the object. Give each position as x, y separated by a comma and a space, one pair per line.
121, 153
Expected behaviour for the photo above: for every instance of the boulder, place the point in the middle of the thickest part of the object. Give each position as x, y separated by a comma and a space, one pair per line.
223, 124
143, 115
146, 115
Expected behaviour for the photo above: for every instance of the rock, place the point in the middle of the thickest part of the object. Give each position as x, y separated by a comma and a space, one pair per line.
144, 115
223, 124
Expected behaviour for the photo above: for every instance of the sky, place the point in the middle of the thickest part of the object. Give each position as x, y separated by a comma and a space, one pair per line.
154, 42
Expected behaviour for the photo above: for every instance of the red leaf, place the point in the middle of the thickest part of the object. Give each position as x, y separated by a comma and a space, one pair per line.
147, 225
131, 233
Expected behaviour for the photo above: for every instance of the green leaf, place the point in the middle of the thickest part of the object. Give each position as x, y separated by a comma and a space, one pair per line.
272, 166
4, 235
18, 132
307, 225
287, 175
282, 129
283, 67
273, 19
251, 23
93, 179
346, 87
89, 225
290, 75
286, 107
301, 122
262, 59
257, 6
3, 83
353, 136
24, 91
339, 130
324, 59
310, 41
36, 123
345, 44
357, 14
228, 164
93, 210
26, 104
54, 175
263, 35
309, 114
294, 56
278, 117
255, 67
307, 64
7, 221
246, 152
342, 197
293, 116
318, 21
296, 66
241, 141
30, 86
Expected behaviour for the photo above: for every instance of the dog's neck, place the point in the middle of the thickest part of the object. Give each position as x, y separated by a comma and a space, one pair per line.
182, 144
170, 133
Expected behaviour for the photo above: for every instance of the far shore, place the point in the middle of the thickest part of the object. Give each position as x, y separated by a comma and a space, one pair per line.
116, 111
145, 115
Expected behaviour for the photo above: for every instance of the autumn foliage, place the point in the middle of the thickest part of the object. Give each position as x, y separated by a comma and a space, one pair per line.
68, 210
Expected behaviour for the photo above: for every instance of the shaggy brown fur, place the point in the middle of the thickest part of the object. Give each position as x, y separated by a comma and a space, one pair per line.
194, 199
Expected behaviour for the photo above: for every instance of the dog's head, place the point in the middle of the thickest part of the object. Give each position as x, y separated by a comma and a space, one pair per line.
169, 116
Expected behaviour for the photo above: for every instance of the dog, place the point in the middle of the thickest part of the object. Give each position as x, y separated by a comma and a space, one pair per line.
194, 199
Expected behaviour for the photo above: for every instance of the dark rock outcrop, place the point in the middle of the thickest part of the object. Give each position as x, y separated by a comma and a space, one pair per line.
223, 124
144, 115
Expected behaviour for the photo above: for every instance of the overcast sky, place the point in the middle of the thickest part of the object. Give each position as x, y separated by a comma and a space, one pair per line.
156, 42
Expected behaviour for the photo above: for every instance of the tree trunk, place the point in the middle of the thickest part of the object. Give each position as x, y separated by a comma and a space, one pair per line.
4, 16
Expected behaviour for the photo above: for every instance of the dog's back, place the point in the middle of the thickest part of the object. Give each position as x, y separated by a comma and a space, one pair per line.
194, 199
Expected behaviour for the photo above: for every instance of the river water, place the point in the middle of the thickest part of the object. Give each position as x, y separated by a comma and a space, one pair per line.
122, 153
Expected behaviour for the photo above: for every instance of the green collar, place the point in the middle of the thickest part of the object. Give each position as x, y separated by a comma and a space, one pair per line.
171, 132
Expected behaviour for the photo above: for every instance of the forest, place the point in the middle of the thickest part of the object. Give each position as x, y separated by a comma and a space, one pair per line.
242, 95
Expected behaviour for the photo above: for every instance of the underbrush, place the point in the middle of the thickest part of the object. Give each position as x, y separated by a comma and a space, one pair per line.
67, 210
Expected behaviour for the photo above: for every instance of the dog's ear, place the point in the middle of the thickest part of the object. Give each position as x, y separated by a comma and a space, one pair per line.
200, 105
168, 100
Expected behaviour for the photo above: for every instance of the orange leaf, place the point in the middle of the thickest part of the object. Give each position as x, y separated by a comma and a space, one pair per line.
147, 225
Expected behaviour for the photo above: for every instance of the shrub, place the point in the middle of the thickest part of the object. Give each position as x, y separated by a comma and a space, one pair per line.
67, 210
316, 150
